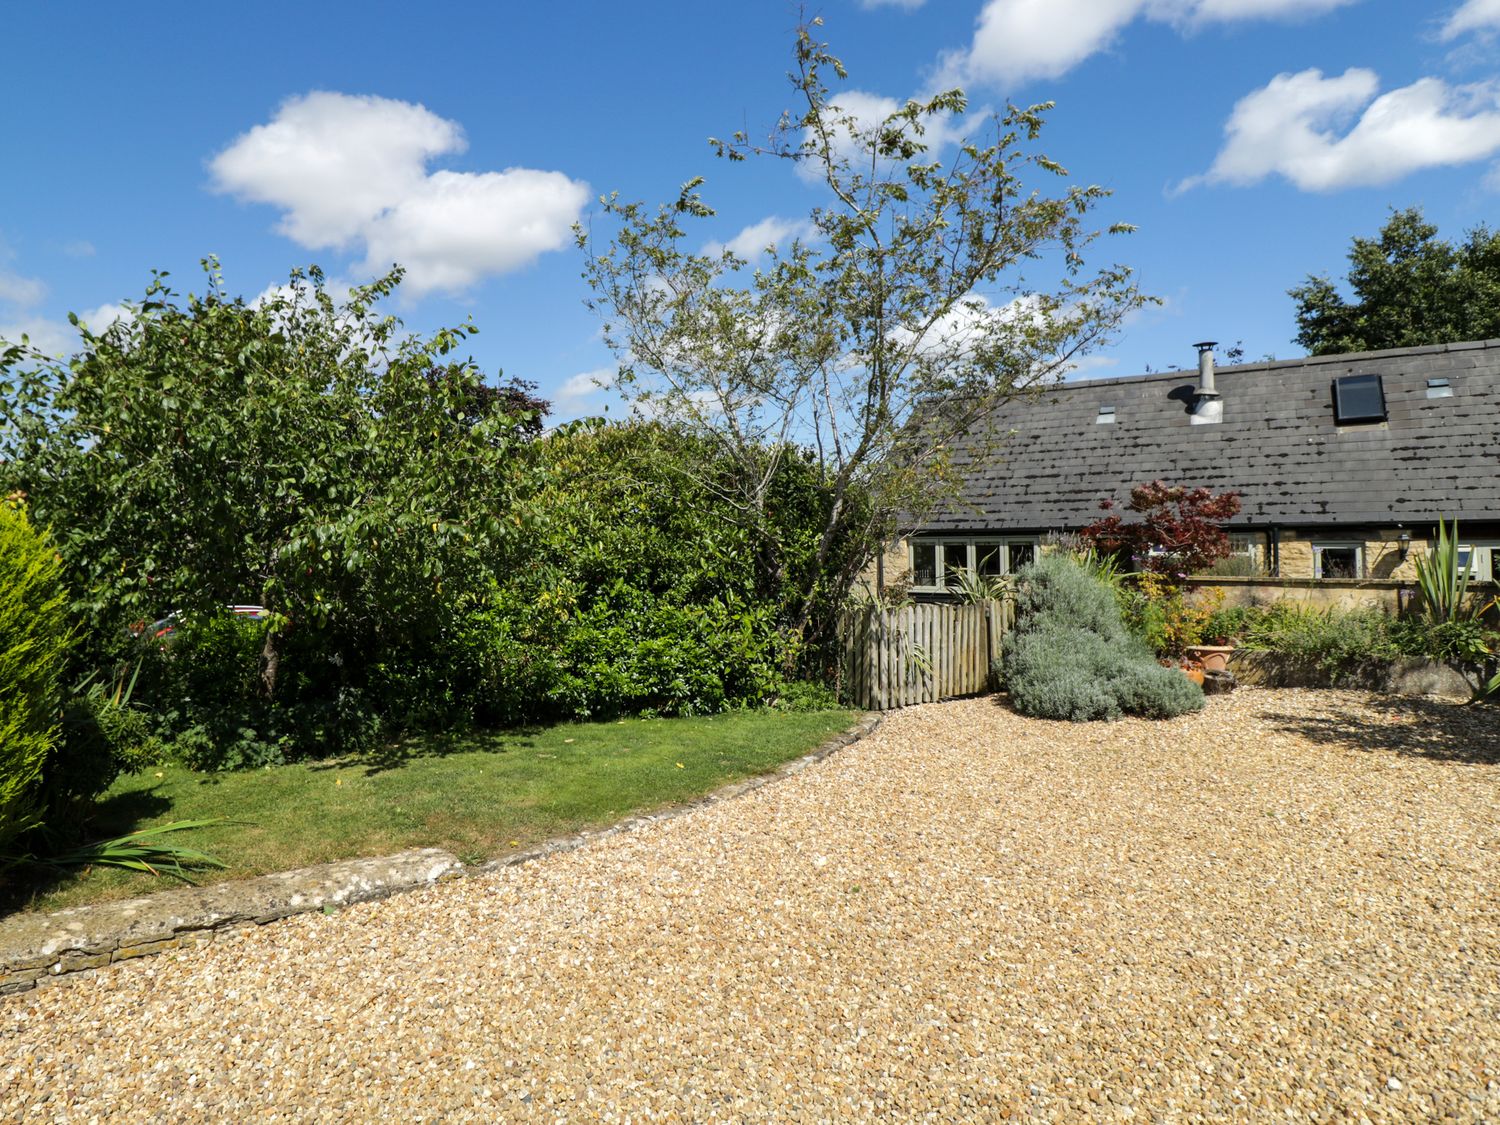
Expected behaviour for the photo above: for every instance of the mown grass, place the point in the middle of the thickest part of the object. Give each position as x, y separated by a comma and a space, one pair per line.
479, 796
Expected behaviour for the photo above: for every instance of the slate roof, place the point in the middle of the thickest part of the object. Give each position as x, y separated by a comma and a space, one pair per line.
1278, 445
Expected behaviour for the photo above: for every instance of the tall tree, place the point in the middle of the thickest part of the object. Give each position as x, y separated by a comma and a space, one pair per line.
303, 454
886, 332
1409, 287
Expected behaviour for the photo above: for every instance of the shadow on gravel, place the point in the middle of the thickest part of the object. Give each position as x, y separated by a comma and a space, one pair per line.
1417, 728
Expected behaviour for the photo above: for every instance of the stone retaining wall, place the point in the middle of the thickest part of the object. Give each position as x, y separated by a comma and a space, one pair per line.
1408, 676
36, 948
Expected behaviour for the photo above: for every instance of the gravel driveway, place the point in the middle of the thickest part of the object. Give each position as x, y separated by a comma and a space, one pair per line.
1282, 908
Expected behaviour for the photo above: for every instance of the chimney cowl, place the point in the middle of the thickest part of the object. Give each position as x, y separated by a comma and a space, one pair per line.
1208, 405
1207, 388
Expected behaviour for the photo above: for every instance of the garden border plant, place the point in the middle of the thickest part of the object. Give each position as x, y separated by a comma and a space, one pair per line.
1071, 655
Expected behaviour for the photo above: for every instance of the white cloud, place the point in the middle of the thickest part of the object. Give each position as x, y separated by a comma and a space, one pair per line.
58, 338
576, 390
335, 162
103, 317
1091, 367
18, 290
863, 113
1292, 127
461, 226
753, 241
79, 248
50, 337
1475, 15
1018, 40
352, 173
970, 324
336, 288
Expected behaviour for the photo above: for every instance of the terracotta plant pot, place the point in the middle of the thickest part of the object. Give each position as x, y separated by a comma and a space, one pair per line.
1193, 673
1214, 658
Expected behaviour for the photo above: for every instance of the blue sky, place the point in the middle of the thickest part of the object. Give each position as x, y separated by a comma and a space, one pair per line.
1248, 140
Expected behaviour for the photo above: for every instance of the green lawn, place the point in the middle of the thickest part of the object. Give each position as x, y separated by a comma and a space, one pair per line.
479, 796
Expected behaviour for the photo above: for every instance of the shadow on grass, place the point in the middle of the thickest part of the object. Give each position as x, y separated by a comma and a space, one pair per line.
113, 816
397, 754
1411, 727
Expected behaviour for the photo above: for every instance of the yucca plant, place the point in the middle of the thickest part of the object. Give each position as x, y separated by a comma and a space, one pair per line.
1443, 583
972, 589
143, 850
1443, 579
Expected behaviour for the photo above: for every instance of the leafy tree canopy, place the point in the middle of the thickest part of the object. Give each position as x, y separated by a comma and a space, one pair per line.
294, 452
1410, 288
910, 308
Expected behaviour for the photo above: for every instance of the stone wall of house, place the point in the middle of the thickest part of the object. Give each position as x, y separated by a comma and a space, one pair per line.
1393, 595
1382, 553
897, 566
1385, 569
1326, 593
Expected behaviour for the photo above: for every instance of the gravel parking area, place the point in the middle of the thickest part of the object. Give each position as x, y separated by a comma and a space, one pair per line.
1283, 908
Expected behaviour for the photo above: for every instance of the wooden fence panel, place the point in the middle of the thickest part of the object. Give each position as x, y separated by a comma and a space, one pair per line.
920, 653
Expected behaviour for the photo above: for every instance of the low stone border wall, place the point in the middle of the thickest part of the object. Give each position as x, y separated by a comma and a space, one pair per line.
37, 948
1408, 676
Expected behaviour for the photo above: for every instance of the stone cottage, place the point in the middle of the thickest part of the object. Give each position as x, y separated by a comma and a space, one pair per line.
1343, 464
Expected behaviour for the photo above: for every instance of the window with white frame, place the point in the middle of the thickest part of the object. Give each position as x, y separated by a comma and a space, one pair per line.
1335, 559
938, 564
1479, 557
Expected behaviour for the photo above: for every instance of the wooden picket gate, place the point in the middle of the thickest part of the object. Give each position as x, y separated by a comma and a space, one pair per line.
920, 653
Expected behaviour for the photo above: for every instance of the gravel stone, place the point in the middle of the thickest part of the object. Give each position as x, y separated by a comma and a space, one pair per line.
1267, 910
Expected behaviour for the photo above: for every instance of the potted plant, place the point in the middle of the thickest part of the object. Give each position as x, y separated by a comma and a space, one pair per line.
1212, 657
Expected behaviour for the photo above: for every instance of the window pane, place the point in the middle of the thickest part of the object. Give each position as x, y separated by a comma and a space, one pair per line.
955, 561
1021, 554
1358, 398
1340, 562
923, 564
991, 558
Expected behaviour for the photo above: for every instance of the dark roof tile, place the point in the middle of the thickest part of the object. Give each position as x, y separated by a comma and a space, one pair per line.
1278, 444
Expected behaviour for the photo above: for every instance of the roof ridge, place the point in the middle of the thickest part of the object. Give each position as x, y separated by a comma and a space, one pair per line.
1271, 365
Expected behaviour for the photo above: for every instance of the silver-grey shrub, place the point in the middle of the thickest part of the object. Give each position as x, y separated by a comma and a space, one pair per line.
1071, 656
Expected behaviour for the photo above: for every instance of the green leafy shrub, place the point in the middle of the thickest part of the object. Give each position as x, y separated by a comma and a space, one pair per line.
1059, 591
1159, 611
211, 708
427, 558
1072, 657
1229, 623
34, 644
1338, 645
1330, 640
347, 475
642, 593
102, 737
806, 695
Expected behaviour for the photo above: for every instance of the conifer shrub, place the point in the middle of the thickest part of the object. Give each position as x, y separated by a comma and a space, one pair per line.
1071, 656
34, 642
